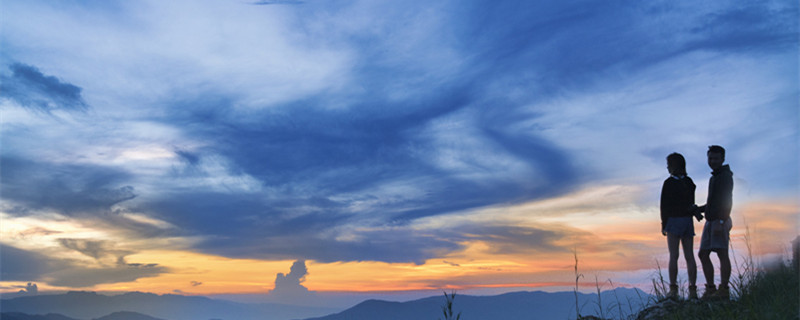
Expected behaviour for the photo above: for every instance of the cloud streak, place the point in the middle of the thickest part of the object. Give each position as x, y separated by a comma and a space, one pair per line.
335, 131
32, 89
25, 265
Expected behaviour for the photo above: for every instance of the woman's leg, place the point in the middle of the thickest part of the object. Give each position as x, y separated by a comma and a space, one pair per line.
688, 254
674, 254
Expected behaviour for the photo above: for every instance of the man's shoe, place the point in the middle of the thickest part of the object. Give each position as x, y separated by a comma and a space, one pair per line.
711, 290
723, 293
692, 292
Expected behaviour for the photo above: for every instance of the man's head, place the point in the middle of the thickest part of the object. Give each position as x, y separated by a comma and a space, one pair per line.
716, 156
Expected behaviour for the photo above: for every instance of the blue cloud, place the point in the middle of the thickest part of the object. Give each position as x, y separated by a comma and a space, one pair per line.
269, 2
750, 27
22, 265
325, 161
341, 174
32, 89
67, 188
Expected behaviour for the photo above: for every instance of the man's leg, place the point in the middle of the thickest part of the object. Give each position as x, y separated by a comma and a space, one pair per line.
708, 271
708, 268
724, 291
724, 267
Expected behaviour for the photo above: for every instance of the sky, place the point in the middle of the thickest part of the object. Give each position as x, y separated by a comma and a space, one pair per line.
291, 149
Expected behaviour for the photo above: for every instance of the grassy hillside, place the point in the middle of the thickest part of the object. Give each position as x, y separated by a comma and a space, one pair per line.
769, 294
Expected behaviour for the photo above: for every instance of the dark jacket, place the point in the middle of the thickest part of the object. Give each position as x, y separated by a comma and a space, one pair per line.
677, 197
720, 195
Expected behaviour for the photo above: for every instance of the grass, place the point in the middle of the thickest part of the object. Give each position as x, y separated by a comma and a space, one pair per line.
447, 309
769, 294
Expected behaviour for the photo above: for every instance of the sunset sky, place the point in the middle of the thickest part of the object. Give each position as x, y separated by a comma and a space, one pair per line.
292, 149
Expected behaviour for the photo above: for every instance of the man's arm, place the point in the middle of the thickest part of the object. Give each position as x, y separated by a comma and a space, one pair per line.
725, 199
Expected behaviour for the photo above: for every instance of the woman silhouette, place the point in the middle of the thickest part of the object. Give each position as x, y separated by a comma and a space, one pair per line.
677, 201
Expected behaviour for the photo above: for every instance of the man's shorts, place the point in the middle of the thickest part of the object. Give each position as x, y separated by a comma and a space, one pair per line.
716, 236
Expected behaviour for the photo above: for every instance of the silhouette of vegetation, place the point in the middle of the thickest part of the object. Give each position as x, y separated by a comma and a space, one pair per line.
447, 309
578, 276
768, 293
756, 293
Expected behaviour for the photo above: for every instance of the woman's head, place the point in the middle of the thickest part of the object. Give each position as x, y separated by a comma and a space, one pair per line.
676, 164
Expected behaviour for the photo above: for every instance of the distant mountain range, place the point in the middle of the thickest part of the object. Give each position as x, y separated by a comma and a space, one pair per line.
617, 303
89, 305
122, 315
146, 306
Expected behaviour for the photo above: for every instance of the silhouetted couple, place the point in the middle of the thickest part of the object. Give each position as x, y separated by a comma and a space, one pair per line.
678, 208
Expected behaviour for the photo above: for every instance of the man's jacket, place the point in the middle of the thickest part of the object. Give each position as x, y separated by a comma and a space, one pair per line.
720, 194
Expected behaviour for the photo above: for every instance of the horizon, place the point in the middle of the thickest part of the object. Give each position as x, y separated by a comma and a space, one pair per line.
333, 302
289, 150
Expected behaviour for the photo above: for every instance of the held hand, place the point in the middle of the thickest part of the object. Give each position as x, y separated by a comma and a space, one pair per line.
698, 216
695, 211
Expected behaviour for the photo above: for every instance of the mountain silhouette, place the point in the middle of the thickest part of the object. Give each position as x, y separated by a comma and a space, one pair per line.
127, 315
146, 306
90, 305
509, 306
23, 316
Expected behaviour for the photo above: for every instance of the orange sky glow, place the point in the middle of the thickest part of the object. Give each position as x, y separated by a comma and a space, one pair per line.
616, 240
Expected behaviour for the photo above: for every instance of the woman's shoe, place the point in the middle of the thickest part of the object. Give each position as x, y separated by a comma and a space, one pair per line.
692, 292
673, 292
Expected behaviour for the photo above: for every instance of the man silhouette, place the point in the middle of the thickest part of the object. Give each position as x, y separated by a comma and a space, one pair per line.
716, 231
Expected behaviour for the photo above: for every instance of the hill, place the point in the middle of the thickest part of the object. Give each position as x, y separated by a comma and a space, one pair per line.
127, 315
90, 305
123, 315
510, 306
767, 294
23, 316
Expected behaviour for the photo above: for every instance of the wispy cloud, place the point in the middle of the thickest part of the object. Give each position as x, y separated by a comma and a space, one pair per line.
32, 89
67, 188
268, 2
24, 265
335, 131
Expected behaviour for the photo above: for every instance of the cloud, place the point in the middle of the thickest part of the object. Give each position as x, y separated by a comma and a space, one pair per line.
189, 157
34, 90
321, 167
82, 276
519, 240
34, 232
196, 283
288, 287
23, 265
30, 289
268, 2
749, 26
97, 249
451, 263
329, 143
66, 188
